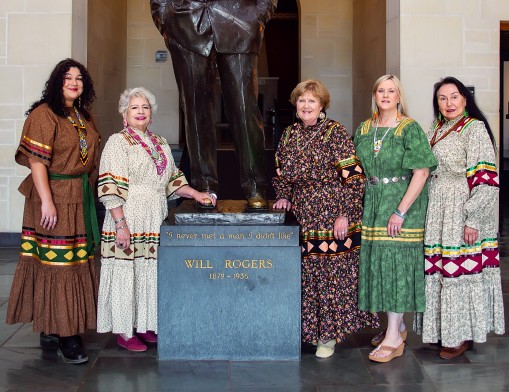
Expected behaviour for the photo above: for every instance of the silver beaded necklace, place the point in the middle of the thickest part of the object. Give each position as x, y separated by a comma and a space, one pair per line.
377, 143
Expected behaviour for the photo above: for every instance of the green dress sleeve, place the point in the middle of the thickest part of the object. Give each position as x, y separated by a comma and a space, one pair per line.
418, 152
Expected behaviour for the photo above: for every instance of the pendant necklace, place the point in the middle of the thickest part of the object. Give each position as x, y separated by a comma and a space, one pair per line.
377, 143
82, 133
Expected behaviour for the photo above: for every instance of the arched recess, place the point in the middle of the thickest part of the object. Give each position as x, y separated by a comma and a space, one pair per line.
282, 51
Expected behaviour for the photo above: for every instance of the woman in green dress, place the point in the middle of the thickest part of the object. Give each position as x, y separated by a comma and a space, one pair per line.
397, 159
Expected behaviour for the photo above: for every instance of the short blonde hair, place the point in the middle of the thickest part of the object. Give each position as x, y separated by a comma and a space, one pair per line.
402, 107
128, 94
314, 87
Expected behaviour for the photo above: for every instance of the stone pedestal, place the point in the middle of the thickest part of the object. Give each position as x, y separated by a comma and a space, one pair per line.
228, 292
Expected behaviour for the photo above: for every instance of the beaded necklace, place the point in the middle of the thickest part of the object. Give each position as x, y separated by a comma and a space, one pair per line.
156, 153
82, 133
377, 143
301, 129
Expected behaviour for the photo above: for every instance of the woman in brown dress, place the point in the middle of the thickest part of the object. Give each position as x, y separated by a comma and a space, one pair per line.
55, 284
320, 179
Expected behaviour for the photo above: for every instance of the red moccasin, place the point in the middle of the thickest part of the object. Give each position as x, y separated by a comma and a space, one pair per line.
147, 337
132, 344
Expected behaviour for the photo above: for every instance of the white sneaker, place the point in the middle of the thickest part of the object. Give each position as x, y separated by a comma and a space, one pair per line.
325, 350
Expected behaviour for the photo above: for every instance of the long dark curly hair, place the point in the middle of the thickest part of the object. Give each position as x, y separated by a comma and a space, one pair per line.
53, 93
472, 108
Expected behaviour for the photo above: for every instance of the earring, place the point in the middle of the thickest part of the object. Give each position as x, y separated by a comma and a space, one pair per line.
125, 123
375, 114
321, 115
439, 116
465, 113
79, 102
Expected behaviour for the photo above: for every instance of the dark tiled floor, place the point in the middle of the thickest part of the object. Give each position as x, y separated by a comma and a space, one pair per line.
25, 367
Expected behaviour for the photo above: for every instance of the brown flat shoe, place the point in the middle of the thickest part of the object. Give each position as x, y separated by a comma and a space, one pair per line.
379, 337
394, 352
455, 352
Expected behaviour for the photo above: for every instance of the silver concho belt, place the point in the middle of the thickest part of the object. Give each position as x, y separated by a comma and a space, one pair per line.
375, 180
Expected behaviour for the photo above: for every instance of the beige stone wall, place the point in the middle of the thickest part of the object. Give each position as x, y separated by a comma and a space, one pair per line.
143, 40
326, 30
34, 36
425, 40
106, 61
460, 38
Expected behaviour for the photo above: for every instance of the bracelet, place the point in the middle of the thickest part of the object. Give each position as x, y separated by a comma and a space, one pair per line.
121, 227
400, 214
120, 220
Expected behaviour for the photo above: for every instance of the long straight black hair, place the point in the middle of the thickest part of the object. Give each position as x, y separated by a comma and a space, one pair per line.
472, 108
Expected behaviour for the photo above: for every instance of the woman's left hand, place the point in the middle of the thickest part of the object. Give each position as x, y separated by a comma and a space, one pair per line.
341, 227
471, 235
123, 240
394, 225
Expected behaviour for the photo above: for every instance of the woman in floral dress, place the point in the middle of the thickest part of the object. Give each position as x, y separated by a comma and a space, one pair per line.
321, 180
463, 287
136, 175
397, 159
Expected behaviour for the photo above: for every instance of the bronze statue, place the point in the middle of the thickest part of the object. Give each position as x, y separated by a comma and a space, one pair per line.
203, 34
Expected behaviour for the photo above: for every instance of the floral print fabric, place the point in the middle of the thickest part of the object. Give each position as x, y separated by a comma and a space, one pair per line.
463, 286
318, 171
128, 178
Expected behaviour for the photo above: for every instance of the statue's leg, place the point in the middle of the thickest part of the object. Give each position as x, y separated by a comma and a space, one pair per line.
239, 82
195, 75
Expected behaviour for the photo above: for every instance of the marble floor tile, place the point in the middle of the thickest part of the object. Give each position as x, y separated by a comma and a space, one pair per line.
379, 388
469, 377
35, 369
187, 376
25, 367
123, 374
273, 389
402, 370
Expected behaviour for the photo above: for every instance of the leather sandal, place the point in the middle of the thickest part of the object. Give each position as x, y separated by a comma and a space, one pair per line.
455, 352
394, 352
379, 337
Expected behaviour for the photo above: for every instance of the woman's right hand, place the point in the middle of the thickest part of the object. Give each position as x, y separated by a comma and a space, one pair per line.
471, 235
282, 204
48, 215
123, 239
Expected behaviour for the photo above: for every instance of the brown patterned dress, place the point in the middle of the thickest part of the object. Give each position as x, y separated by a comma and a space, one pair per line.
319, 172
55, 284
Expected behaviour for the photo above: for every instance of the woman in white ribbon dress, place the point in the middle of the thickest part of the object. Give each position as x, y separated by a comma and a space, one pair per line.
136, 176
